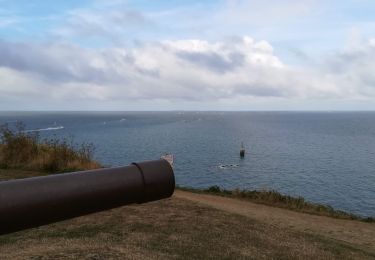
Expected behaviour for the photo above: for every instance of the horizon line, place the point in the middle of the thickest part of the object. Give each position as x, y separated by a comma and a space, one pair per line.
183, 110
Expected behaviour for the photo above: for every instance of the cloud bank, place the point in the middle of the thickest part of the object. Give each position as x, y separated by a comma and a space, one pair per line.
179, 71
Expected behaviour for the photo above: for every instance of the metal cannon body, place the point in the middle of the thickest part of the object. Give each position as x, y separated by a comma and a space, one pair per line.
32, 202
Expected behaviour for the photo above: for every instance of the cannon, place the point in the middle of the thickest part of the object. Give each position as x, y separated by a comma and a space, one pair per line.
33, 202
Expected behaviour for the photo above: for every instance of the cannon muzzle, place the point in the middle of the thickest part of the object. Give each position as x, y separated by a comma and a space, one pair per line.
32, 202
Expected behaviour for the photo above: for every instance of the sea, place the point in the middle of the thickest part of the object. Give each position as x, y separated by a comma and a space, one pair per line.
325, 157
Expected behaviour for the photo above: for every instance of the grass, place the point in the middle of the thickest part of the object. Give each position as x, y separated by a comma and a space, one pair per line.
24, 150
276, 199
170, 229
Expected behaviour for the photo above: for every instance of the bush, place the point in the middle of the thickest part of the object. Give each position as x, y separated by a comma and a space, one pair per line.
214, 189
24, 150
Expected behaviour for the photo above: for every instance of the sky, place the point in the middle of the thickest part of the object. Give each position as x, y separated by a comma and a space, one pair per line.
187, 55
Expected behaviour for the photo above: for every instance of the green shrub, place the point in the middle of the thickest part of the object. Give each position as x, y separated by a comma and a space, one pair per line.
214, 189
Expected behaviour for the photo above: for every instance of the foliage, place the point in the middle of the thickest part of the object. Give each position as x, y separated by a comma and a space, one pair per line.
20, 149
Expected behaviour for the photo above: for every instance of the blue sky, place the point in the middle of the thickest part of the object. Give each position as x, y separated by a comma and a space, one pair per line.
205, 55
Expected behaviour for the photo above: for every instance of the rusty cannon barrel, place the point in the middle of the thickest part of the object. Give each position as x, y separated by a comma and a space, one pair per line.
32, 202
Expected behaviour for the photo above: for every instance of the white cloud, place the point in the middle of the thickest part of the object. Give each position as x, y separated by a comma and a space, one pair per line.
353, 69
15, 82
180, 71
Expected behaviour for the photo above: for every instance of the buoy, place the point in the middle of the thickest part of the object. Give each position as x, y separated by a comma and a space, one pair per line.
242, 151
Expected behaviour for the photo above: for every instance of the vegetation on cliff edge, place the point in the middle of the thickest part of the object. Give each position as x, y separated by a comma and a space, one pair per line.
25, 150
276, 199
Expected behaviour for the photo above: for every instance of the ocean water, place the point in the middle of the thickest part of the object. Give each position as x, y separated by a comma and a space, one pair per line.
326, 157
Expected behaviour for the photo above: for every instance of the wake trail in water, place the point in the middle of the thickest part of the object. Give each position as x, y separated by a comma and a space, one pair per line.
45, 129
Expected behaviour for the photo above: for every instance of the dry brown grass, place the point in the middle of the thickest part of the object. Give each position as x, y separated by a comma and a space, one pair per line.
352, 232
20, 149
8, 174
276, 199
170, 229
